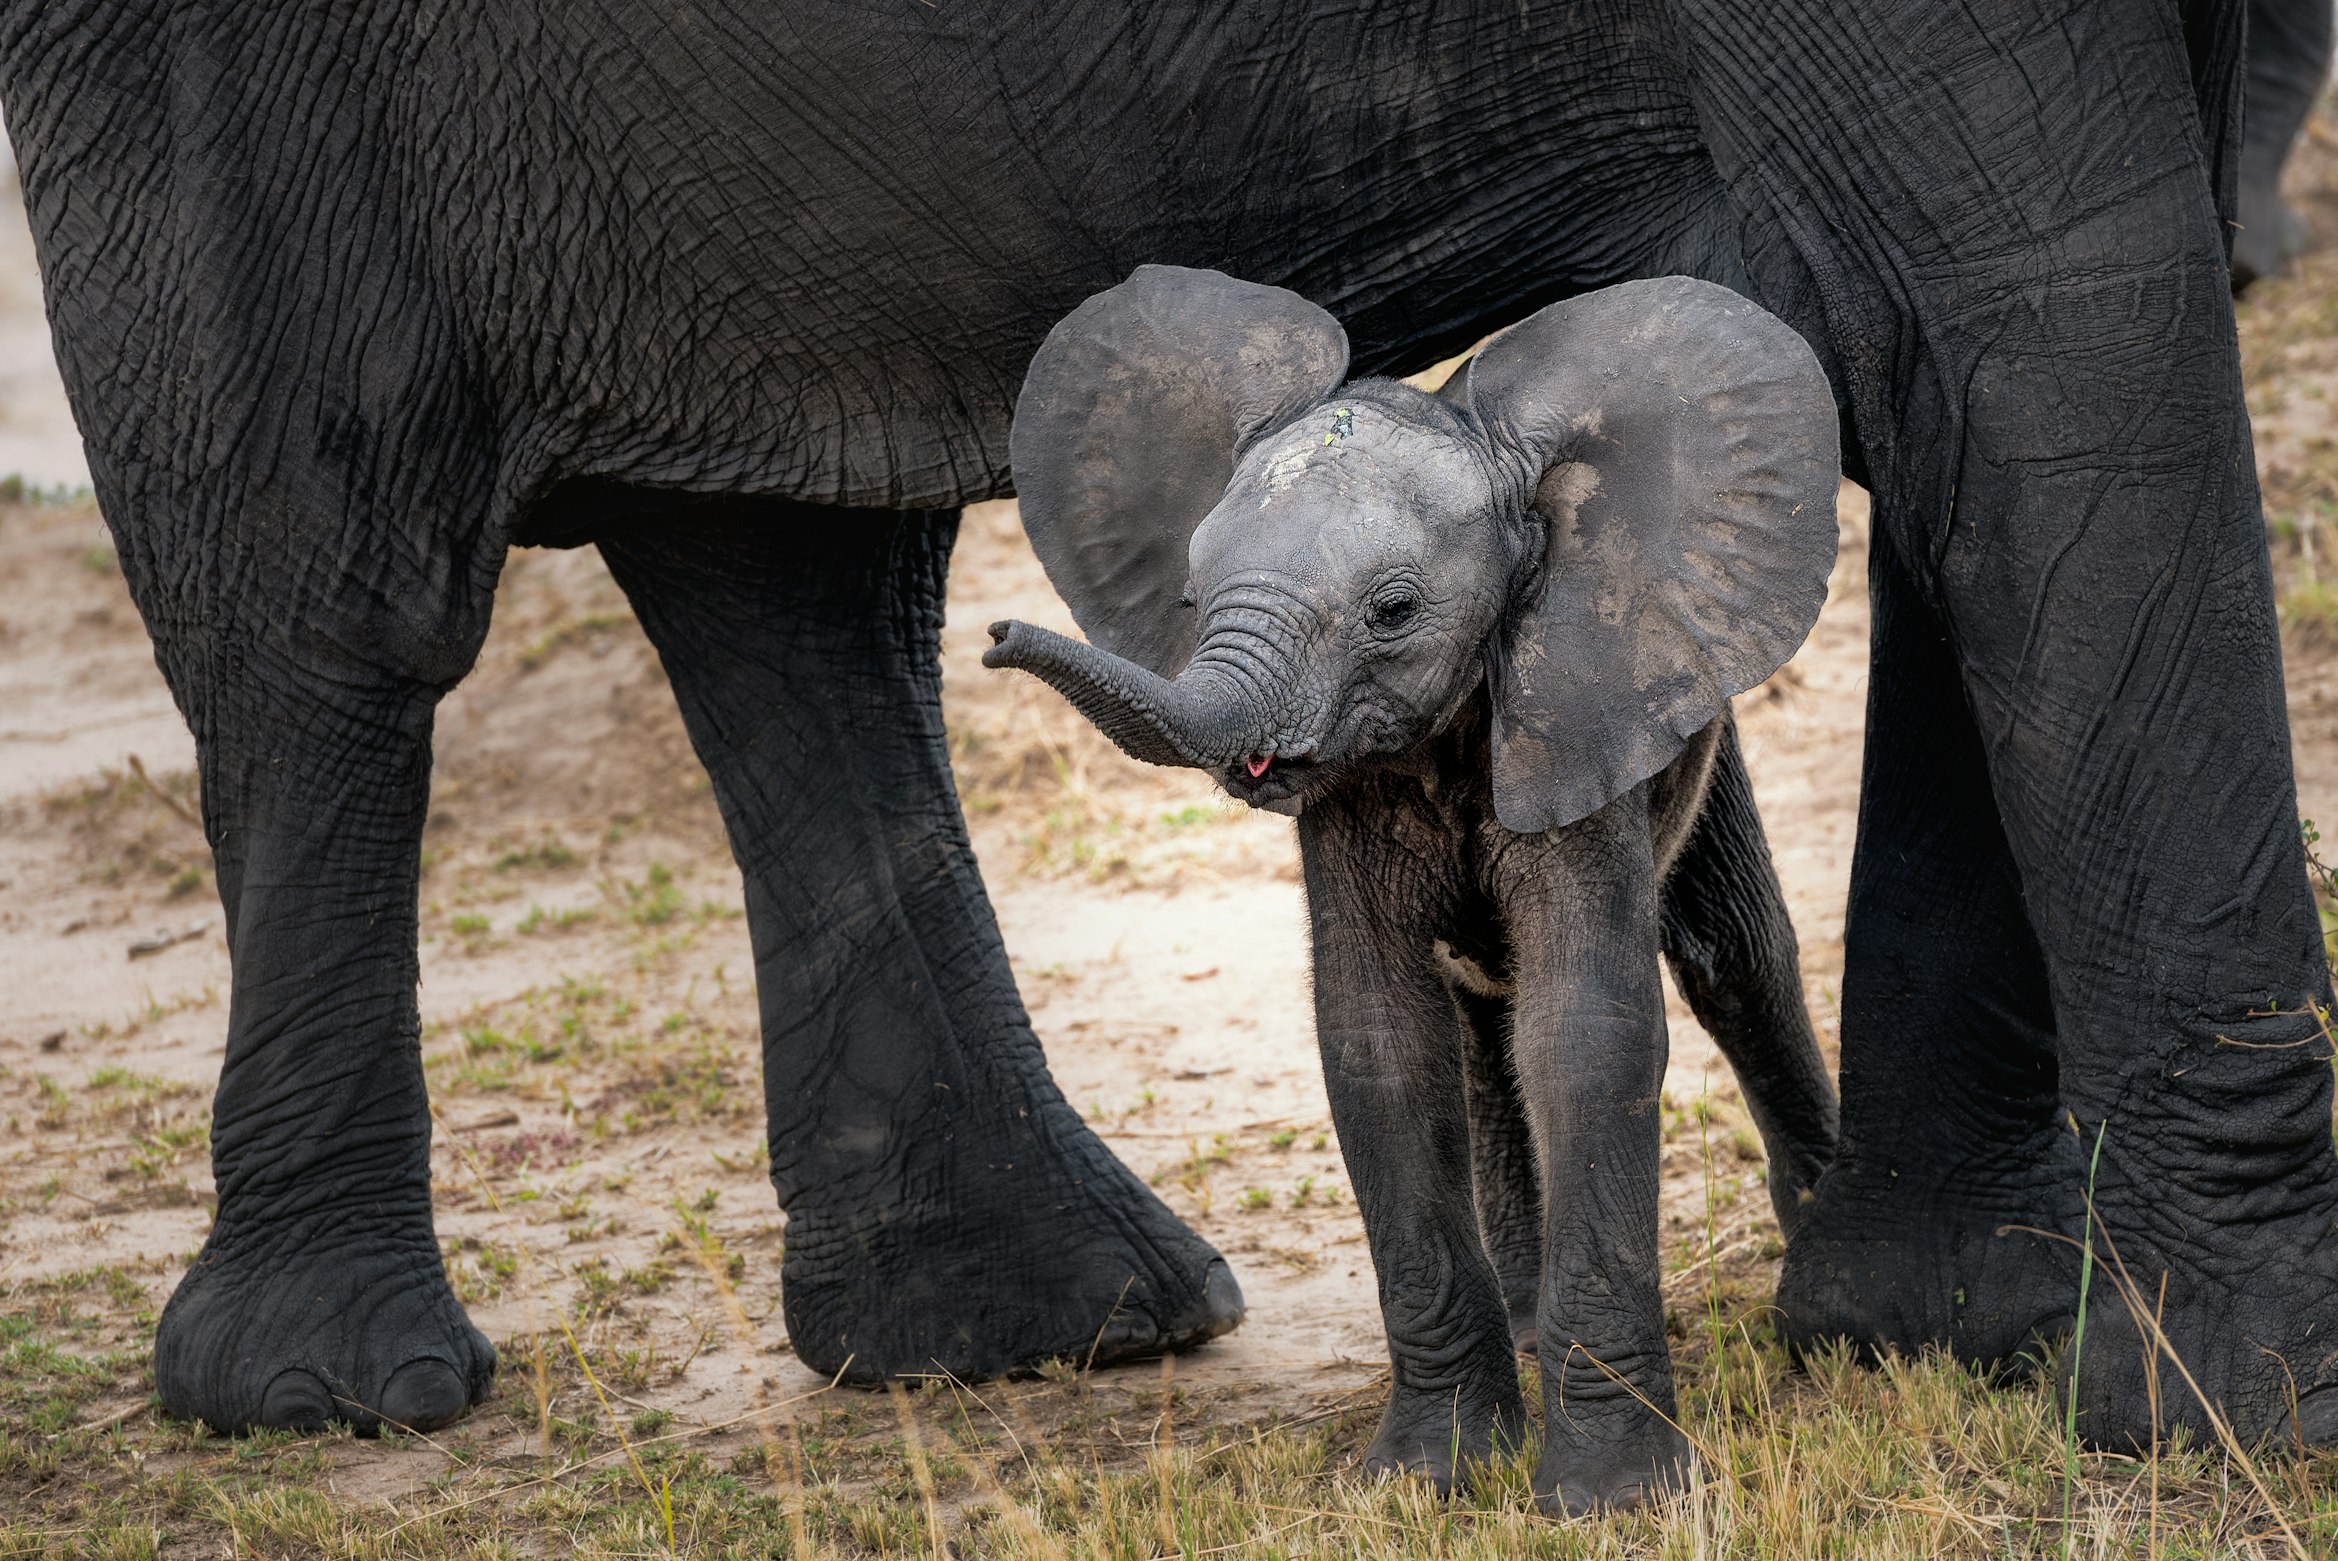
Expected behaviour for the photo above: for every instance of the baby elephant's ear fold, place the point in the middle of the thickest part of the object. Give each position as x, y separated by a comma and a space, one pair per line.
1682, 445
1130, 422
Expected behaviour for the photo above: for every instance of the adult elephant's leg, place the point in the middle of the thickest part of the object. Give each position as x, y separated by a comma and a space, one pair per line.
1503, 1180
2011, 219
1953, 1142
319, 1293
1731, 947
2289, 64
946, 1208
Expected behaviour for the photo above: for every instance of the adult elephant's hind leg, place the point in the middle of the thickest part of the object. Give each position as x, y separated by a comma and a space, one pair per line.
1953, 1143
319, 1294
1731, 946
1504, 1181
946, 1207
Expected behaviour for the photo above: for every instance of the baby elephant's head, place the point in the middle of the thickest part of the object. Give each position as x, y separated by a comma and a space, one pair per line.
1620, 514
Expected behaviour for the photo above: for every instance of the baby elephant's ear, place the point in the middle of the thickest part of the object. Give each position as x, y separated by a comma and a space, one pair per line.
1684, 459
1130, 422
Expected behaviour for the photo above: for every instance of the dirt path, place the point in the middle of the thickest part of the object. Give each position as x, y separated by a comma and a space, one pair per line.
587, 989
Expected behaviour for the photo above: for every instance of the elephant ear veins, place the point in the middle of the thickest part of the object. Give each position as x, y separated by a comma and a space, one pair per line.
1687, 444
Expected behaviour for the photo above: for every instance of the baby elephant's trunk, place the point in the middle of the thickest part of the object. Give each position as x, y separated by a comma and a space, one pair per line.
1205, 719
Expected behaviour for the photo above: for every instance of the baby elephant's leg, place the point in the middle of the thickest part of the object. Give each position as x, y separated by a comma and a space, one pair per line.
1733, 955
1589, 1047
1392, 1067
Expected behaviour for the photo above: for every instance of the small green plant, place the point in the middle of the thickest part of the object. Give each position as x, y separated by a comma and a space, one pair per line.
601, 1286
2309, 610
539, 919
654, 901
1256, 1198
543, 854
470, 924
650, 1278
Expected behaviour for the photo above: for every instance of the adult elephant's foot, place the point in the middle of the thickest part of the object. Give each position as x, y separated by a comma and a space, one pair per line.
1444, 1437
333, 1320
1574, 1480
946, 1209
1043, 1248
2249, 1308
1895, 1258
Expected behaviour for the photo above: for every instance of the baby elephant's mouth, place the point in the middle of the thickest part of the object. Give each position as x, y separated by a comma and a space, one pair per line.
1263, 778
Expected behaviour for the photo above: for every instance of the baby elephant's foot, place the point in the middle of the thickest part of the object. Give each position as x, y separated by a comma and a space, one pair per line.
1444, 1437
1577, 1477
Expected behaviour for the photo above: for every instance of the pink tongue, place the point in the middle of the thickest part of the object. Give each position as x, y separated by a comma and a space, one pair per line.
1257, 764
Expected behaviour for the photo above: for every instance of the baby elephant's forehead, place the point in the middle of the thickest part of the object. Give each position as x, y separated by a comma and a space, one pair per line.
1350, 455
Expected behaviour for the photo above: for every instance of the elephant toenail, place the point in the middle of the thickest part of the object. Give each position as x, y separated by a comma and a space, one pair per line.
1222, 1299
1629, 1497
423, 1395
2317, 1417
296, 1400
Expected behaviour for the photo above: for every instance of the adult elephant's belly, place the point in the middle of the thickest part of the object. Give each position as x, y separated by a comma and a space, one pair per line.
813, 261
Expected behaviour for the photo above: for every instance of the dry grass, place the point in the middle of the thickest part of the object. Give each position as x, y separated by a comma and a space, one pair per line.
1913, 1459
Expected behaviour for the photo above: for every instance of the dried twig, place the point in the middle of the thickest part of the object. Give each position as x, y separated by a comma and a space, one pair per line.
177, 807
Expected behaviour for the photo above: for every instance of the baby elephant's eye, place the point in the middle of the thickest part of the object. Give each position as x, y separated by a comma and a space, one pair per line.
1393, 610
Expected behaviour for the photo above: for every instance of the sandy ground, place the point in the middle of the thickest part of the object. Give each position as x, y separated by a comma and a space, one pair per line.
587, 990
37, 439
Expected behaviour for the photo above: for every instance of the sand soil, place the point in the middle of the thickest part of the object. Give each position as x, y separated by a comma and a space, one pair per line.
588, 993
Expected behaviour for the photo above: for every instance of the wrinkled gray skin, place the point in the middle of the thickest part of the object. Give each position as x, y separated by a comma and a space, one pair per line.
1363, 598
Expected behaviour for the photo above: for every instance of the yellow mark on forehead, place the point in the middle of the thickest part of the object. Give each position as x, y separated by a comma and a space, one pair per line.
1343, 424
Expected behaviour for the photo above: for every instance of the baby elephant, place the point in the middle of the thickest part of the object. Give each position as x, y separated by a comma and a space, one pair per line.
1482, 643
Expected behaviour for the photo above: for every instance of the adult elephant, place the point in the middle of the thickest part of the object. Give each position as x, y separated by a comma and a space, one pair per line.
353, 298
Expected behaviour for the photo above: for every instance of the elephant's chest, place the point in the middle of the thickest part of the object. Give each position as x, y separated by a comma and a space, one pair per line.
1444, 823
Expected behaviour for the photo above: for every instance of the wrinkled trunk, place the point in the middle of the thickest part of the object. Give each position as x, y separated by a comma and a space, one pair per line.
1207, 717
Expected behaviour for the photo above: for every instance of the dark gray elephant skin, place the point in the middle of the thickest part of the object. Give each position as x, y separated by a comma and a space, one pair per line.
351, 299
2289, 67
1483, 645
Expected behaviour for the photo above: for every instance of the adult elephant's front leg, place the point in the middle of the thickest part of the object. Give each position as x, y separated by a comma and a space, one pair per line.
1939, 1220
2013, 227
946, 1208
319, 1294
